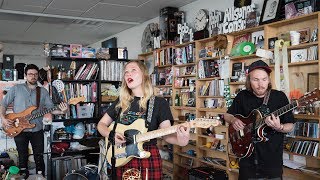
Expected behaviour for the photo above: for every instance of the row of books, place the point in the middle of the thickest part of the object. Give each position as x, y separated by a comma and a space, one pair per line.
112, 70
87, 72
306, 129
175, 56
208, 69
89, 91
309, 148
212, 88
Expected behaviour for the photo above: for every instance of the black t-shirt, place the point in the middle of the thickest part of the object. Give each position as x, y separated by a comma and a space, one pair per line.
269, 153
161, 112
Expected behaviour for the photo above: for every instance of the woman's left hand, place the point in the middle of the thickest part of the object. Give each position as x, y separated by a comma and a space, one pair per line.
183, 134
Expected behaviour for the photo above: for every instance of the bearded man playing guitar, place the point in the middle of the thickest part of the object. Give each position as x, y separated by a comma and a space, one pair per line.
261, 160
23, 96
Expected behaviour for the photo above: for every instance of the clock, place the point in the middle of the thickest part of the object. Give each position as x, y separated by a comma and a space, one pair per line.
201, 20
147, 38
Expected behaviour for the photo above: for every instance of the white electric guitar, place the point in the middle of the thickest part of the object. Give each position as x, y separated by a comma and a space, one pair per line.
136, 134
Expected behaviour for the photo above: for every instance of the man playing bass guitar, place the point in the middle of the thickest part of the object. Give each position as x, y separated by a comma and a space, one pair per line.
23, 96
263, 159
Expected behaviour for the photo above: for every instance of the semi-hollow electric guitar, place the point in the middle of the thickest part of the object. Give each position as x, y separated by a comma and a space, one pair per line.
20, 121
136, 134
242, 142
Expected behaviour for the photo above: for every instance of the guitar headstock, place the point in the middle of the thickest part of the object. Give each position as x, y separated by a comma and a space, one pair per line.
205, 122
309, 98
76, 100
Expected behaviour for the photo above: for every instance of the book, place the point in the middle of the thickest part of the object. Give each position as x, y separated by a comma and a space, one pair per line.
76, 50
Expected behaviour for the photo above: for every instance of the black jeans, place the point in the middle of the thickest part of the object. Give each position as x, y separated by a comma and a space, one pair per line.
37, 142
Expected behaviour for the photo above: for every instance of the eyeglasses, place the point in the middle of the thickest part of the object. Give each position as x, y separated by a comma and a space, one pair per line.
31, 74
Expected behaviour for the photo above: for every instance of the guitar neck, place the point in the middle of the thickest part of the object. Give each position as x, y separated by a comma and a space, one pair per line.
157, 133
280, 111
41, 113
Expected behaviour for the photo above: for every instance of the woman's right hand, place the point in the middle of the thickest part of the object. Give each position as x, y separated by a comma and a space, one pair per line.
119, 138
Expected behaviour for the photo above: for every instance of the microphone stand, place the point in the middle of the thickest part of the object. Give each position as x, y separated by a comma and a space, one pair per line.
113, 143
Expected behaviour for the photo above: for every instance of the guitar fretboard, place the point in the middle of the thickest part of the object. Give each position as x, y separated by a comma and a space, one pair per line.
278, 112
39, 114
156, 133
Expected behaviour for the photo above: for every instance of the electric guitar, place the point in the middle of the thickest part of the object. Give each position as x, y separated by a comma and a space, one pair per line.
20, 121
241, 141
136, 134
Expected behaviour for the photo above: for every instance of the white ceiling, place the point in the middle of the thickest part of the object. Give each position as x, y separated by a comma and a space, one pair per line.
74, 21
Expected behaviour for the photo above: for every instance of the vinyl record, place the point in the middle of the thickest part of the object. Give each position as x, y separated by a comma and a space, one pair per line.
246, 48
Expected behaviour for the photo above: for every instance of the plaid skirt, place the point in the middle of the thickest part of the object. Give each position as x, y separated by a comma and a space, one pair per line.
153, 164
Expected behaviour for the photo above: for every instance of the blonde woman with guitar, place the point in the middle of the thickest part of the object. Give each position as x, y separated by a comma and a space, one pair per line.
25, 99
136, 90
259, 117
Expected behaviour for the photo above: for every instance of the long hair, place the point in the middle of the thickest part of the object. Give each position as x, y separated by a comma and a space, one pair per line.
126, 95
248, 84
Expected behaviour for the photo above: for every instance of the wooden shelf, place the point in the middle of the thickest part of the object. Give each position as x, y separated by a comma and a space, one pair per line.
183, 65
218, 154
184, 108
237, 58
294, 20
303, 138
298, 174
305, 116
292, 153
210, 97
217, 110
209, 79
300, 46
237, 83
164, 66
301, 63
210, 58
183, 87
183, 76
184, 44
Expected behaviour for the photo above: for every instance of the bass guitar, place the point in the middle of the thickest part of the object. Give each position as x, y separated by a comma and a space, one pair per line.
21, 121
136, 134
241, 141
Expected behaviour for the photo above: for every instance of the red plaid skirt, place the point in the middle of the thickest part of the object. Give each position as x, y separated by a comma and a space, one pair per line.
153, 163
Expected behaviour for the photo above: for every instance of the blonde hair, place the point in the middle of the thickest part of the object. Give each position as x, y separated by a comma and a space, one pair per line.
126, 95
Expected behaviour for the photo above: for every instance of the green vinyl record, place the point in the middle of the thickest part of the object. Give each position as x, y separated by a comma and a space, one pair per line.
246, 48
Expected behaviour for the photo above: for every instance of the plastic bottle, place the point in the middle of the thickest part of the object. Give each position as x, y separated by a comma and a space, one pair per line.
13, 170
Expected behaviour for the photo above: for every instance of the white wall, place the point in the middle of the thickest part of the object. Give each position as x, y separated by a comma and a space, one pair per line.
26, 53
131, 38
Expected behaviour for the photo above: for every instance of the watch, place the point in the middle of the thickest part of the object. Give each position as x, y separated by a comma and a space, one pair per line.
201, 20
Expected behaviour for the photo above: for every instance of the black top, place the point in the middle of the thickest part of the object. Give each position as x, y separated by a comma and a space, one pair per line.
269, 153
161, 112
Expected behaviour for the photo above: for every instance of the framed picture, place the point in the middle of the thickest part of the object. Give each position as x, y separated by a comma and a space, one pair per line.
75, 50
313, 81
270, 11
272, 42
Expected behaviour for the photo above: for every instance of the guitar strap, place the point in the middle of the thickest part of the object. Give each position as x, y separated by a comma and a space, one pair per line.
266, 98
150, 109
38, 96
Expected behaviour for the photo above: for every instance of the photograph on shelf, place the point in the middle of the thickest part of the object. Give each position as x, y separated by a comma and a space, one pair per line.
272, 42
88, 52
75, 50
313, 81
304, 35
270, 11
